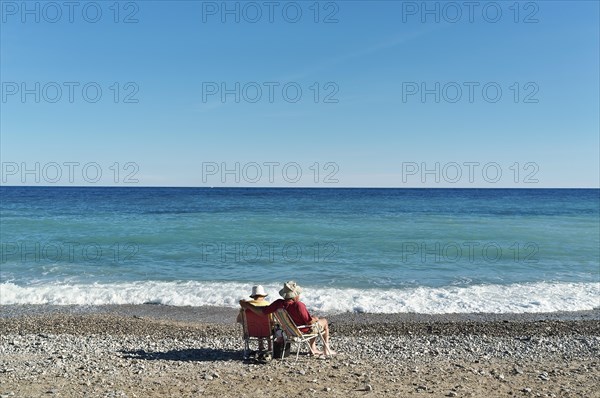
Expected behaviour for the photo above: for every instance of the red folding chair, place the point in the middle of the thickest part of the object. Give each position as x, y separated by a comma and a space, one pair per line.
256, 327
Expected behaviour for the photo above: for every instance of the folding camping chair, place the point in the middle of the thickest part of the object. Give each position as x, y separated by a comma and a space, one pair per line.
291, 331
256, 327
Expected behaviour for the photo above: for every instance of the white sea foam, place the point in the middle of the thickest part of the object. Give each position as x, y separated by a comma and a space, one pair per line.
515, 298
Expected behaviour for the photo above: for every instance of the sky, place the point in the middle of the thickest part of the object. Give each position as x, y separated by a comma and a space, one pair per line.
299, 94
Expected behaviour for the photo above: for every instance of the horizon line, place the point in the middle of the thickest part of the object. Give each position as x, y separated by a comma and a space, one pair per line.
273, 187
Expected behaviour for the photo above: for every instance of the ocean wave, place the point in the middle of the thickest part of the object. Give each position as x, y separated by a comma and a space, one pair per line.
514, 298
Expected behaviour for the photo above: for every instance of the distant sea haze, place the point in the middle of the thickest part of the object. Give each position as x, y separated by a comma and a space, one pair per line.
372, 250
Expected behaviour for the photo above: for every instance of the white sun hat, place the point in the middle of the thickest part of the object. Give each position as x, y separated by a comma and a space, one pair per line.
258, 290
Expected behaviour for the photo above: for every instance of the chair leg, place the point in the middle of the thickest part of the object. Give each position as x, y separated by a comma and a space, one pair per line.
270, 347
298, 350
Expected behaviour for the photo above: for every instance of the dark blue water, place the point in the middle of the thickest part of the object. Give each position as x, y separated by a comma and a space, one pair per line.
336, 239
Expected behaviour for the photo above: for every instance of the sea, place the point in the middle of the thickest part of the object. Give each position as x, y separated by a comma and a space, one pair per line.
352, 250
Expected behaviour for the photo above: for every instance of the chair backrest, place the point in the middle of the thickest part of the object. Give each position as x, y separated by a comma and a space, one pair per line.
256, 325
286, 323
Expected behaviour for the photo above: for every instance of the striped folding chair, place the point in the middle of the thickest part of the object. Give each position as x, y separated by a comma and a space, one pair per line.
292, 333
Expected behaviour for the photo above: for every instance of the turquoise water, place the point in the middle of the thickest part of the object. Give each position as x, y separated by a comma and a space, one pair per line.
431, 247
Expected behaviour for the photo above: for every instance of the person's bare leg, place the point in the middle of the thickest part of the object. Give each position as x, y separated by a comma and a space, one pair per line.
325, 327
313, 347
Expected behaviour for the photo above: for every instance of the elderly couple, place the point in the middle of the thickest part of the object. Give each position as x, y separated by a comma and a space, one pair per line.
294, 307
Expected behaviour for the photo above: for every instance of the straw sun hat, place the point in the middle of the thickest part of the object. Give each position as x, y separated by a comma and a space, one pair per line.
290, 290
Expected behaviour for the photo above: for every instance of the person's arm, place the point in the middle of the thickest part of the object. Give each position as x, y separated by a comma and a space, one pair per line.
247, 306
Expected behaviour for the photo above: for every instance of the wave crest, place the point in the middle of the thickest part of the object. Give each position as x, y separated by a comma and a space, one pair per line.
514, 298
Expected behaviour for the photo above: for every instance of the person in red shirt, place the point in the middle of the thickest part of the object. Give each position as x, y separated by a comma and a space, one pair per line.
298, 312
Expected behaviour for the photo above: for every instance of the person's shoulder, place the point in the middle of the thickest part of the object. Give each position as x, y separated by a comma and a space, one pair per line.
274, 306
279, 303
300, 304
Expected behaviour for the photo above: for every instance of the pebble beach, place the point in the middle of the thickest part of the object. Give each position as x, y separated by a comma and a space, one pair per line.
159, 351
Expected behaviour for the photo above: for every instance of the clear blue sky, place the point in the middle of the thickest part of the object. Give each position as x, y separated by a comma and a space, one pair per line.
377, 131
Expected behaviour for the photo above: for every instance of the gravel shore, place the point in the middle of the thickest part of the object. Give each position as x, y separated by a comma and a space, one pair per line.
152, 351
